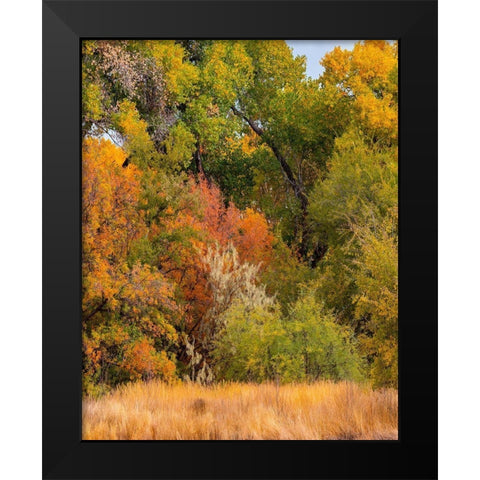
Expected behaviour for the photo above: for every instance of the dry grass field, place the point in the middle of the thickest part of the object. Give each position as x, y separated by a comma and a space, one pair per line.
235, 411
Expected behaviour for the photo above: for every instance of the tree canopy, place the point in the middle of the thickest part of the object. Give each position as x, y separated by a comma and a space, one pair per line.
239, 218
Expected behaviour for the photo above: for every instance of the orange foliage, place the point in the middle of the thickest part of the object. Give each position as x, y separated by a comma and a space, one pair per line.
248, 231
253, 238
110, 220
142, 360
210, 221
121, 302
130, 308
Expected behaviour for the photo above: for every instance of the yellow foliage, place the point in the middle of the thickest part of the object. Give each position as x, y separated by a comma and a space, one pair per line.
181, 76
368, 74
134, 129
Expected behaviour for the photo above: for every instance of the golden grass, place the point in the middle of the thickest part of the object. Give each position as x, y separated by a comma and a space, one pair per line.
235, 411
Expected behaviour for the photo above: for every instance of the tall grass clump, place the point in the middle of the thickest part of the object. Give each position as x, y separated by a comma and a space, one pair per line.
242, 411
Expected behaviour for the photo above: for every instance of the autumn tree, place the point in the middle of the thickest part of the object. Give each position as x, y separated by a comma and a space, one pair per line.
377, 297
355, 208
265, 87
368, 77
114, 71
128, 308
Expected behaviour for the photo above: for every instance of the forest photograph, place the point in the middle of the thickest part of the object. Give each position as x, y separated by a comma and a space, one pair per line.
239, 240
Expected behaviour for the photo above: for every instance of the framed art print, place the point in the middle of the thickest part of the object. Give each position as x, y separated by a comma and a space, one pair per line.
240, 239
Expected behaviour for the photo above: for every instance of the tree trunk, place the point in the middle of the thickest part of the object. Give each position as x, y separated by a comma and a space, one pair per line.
197, 156
298, 189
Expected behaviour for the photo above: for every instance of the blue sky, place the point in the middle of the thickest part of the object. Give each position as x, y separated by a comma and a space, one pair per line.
314, 50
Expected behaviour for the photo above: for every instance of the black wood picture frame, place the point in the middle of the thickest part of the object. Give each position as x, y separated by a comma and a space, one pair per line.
414, 25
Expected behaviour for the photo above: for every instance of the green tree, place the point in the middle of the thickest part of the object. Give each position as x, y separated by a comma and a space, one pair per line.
377, 298
354, 207
325, 349
257, 343
253, 345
